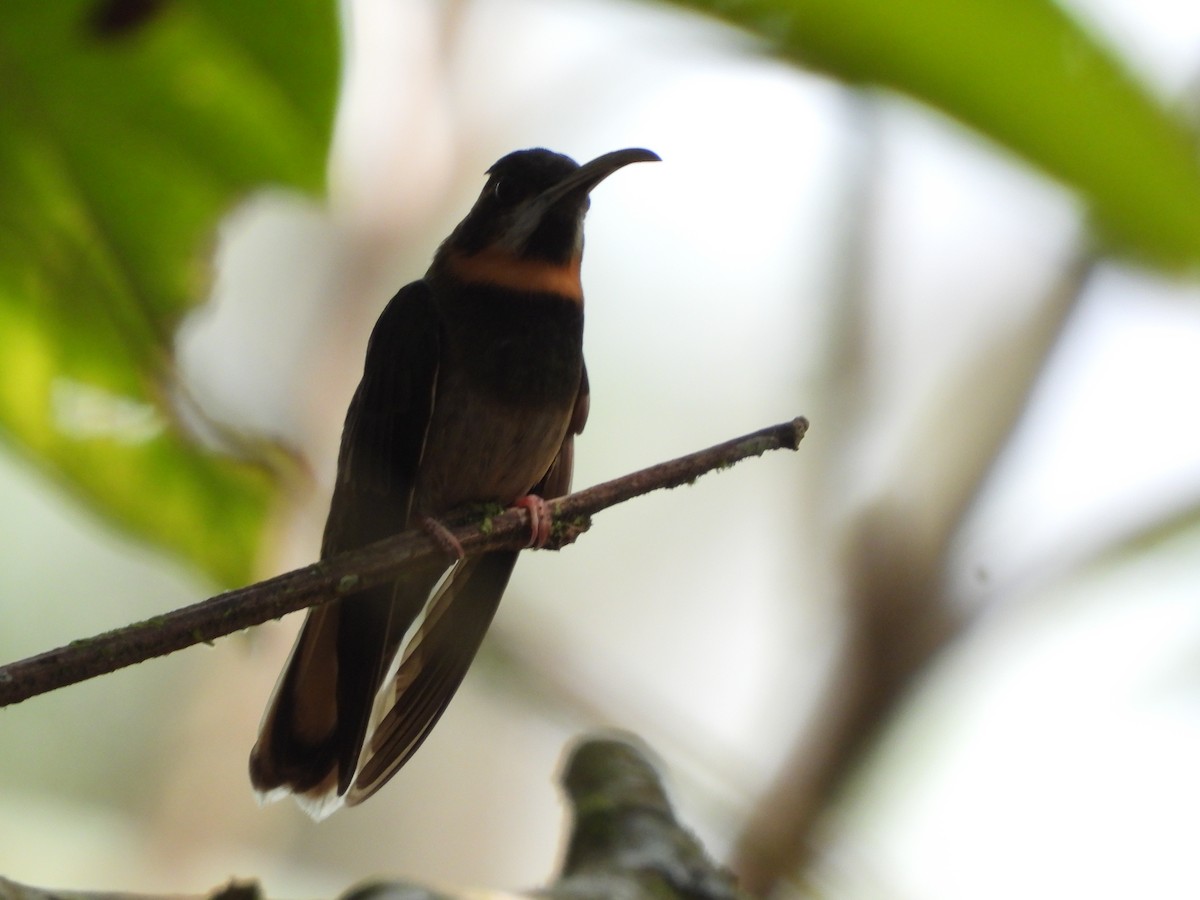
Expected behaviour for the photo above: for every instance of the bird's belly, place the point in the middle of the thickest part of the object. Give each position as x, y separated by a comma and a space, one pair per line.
506, 387
481, 451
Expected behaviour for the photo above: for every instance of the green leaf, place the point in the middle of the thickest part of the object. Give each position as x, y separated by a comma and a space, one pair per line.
1023, 73
127, 128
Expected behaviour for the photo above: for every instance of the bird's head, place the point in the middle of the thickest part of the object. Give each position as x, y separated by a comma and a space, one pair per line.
530, 212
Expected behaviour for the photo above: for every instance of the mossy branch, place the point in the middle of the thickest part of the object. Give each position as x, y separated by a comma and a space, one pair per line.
348, 573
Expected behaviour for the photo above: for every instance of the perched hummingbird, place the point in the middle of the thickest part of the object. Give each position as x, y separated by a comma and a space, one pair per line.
472, 391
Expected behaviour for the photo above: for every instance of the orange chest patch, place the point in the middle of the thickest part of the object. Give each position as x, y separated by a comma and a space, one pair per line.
494, 267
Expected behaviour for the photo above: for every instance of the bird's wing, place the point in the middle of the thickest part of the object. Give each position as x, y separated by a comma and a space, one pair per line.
557, 480
384, 435
445, 641
314, 728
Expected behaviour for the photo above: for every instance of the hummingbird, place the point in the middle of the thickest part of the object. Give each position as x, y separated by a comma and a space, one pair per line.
473, 390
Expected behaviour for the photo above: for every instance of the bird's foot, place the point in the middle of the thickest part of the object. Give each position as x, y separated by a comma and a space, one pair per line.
541, 520
443, 537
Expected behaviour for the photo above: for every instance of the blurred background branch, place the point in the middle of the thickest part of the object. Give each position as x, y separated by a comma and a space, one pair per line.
624, 842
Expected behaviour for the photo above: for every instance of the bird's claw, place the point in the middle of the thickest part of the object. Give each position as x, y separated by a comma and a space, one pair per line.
443, 537
541, 520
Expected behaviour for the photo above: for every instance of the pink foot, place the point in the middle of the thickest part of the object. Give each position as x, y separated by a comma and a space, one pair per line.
540, 519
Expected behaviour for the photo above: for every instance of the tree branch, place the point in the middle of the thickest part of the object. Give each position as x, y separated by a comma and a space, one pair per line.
351, 572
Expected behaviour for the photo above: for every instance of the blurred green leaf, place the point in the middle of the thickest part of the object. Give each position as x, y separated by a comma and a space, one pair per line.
1025, 74
127, 128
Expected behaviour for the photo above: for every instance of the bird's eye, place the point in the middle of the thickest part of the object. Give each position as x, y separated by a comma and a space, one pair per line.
500, 190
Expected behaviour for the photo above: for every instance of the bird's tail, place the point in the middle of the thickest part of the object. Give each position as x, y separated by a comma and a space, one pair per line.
431, 666
312, 733
331, 735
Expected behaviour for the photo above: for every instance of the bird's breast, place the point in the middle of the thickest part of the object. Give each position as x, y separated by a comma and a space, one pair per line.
507, 382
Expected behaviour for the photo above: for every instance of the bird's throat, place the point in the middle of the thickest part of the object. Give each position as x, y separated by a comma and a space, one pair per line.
494, 267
